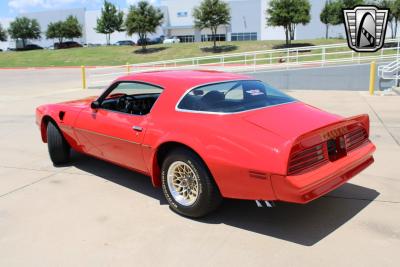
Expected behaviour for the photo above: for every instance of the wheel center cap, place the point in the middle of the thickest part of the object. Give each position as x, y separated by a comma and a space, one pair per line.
185, 182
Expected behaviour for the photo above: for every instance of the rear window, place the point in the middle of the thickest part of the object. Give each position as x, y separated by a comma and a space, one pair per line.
231, 97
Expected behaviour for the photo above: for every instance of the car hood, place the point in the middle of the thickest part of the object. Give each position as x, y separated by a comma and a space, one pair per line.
291, 120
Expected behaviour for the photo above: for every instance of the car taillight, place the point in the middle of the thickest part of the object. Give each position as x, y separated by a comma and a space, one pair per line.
307, 159
355, 138
335, 148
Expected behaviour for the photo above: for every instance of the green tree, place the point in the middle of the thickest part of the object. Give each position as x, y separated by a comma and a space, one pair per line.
212, 14
394, 14
68, 29
351, 3
288, 14
325, 17
55, 30
110, 21
395, 10
391, 20
329, 16
72, 29
3, 34
348, 4
143, 19
24, 29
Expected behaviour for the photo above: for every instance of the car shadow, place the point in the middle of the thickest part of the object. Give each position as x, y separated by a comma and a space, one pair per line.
149, 50
135, 181
295, 45
301, 224
220, 49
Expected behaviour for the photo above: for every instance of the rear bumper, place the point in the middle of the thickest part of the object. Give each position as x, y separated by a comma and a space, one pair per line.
307, 187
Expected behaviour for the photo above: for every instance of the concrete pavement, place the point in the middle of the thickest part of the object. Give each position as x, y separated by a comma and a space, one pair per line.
92, 213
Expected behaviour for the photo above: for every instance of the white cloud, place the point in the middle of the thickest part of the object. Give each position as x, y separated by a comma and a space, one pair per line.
24, 5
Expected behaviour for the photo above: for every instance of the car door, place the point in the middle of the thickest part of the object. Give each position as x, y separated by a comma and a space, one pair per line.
113, 135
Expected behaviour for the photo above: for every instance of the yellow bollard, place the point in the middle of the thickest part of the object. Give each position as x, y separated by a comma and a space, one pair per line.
83, 77
128, 67
372, 76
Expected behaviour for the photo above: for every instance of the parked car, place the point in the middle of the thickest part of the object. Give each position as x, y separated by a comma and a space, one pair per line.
172, 40
156, 40
66, 45
30, 47
125, 43
150, 41
203, 136
143, 41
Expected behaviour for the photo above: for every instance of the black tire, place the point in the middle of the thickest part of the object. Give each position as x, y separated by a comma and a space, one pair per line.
59, 149
209, 197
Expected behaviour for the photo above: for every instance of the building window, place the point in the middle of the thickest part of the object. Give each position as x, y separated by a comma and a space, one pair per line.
186, 38
209, 37
182, 14
244, 36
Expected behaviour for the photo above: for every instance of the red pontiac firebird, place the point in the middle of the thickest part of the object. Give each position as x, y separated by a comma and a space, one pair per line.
204, 135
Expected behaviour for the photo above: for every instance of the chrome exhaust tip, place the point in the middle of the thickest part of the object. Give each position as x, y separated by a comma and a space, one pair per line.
265, 204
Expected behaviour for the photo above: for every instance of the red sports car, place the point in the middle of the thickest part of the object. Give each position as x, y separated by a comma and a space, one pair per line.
203, 136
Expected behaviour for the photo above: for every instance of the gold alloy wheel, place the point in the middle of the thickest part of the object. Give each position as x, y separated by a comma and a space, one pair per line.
183, 183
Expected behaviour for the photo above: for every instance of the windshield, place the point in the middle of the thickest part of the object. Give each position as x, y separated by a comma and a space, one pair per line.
231, 97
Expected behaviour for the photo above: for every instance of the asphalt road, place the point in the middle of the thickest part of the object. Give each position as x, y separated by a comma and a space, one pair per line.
92, 213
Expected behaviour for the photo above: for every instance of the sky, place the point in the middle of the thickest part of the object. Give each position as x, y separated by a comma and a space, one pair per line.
11, 8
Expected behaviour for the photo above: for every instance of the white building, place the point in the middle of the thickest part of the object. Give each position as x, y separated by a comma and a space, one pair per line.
248, 23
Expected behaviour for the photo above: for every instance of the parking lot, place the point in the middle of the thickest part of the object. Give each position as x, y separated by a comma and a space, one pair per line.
92, 213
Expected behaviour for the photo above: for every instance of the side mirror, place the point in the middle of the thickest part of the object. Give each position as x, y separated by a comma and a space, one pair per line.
95, 105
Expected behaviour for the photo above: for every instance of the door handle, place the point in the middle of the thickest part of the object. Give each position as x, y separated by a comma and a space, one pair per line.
137, 128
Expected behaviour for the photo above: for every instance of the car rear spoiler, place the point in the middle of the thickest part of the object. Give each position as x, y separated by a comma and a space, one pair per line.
336, 127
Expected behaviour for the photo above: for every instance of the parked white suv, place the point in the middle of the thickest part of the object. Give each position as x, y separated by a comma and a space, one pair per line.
172, 40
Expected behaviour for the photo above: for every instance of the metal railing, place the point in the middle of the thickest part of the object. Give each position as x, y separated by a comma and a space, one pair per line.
265, 60
390, 71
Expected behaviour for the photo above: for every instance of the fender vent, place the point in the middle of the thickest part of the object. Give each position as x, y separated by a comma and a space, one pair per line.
61, 115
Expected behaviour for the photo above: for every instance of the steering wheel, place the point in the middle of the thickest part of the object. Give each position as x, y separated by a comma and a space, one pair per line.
124, 101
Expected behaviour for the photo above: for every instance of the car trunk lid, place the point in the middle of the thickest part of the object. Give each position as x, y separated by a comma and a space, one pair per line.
316, 137
291, 120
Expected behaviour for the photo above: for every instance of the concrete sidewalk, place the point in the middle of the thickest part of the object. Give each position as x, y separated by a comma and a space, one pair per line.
96, 214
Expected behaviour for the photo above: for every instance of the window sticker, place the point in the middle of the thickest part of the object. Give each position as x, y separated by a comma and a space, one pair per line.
255, 92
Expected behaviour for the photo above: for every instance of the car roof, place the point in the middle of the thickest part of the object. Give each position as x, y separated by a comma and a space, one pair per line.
183, 79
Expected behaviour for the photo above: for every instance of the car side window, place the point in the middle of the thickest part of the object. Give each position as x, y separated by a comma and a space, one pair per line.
232, 97
133, 98
235, 94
